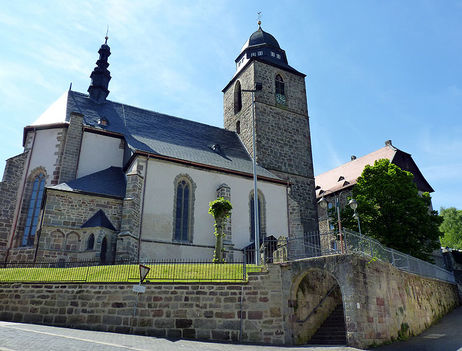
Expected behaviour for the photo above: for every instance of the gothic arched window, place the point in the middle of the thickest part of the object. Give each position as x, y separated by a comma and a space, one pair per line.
280, 91
33, 210
261, 217
238, 127
91, 242
237, 97
183, 216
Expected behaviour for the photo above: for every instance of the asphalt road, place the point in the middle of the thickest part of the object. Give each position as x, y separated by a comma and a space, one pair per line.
444, 336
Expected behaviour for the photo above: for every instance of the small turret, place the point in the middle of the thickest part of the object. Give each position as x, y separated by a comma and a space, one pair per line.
100, 76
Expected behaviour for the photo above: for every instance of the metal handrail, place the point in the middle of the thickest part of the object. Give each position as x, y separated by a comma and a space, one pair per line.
313, 311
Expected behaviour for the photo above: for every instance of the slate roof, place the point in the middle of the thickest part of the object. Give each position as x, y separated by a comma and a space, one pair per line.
158, 134
346, 175
99, 219
110, 181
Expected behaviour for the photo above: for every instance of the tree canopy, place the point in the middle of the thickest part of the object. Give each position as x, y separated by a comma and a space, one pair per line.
392, 211
451, 228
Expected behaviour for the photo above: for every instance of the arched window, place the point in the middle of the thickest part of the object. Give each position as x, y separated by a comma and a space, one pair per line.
238, 127
183, 210
91, 242
33, 210
237, 97
261, 217
280, 92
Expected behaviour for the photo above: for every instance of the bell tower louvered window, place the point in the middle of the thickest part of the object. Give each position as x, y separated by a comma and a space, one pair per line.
280, 91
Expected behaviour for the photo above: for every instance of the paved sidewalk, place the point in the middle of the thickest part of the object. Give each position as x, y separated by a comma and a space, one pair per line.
443, 336
31, 337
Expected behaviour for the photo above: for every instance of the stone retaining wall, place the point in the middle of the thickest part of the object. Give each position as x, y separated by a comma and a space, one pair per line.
201, 311
381, 304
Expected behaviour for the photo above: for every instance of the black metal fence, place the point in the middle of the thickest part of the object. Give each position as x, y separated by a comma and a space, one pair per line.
172, 270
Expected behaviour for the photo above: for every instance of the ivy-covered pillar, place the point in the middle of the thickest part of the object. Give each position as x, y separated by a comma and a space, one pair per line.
224, 191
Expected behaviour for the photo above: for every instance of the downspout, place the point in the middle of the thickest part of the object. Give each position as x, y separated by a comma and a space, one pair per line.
142, 208
288, 211
20, 199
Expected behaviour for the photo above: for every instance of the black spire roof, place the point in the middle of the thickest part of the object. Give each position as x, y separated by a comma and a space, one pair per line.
260, 37
100, 76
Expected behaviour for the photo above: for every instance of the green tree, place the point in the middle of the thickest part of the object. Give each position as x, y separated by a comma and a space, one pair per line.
451, 227
220, 209
392, 211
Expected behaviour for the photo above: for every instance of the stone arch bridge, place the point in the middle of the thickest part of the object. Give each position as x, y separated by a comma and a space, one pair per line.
365, 301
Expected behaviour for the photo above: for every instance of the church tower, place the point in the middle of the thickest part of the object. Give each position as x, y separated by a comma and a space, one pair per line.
283, 143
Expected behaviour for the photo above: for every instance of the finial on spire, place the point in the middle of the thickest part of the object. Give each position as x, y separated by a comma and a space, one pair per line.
107, 32
259, 19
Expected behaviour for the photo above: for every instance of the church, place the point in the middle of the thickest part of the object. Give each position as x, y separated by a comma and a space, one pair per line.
101, 180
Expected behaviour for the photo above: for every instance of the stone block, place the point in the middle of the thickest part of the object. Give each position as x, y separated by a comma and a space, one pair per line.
183, 323
223, 335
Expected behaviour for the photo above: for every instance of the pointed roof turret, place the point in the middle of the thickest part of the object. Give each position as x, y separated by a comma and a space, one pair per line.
100, 76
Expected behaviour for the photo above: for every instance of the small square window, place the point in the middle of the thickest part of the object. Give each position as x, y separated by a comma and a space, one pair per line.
253, 54
278, 56
272, 53
260, 53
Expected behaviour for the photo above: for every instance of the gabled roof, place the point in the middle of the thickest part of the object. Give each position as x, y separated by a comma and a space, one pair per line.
109, 182
99, 219
345, 176
158, 134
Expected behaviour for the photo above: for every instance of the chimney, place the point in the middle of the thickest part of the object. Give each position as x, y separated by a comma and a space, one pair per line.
353, 157
388, 143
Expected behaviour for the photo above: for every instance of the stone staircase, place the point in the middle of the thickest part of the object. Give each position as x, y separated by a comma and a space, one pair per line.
332, 331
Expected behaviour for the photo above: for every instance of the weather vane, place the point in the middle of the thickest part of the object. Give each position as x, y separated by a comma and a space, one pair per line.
259, 18
107, 32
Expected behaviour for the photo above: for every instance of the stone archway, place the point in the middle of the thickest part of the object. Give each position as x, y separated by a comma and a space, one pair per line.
318, 314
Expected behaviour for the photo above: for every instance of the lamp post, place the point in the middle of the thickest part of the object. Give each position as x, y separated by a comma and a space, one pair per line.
258, 86
354, 205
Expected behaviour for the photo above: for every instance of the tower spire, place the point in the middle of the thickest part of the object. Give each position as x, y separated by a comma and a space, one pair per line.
101, 76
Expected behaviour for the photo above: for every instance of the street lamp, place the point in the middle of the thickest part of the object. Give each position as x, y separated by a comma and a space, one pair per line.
323, 203
354, 205
258, 86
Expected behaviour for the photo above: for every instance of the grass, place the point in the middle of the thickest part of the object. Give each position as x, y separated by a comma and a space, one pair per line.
174, 272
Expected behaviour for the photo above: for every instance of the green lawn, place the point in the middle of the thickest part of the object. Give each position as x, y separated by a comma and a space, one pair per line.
174, 272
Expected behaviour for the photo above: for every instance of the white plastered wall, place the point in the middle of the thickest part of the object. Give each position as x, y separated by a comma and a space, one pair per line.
99, 152
45, 151
158, 210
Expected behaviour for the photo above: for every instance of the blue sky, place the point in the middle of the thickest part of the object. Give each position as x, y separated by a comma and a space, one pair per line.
376, 70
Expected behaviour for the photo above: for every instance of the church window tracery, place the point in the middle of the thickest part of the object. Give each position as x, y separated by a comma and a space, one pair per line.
261, 216
183, 209
33, 210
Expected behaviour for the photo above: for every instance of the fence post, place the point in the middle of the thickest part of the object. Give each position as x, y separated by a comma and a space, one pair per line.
244, 266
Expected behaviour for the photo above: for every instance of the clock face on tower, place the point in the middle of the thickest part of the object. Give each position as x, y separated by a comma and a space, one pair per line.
281, 99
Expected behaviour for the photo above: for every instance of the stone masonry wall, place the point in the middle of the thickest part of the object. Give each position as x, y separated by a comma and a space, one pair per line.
66, 209
283, 138
127, 240
61, 234
197, 311
8, 194
381, 303
71, 152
